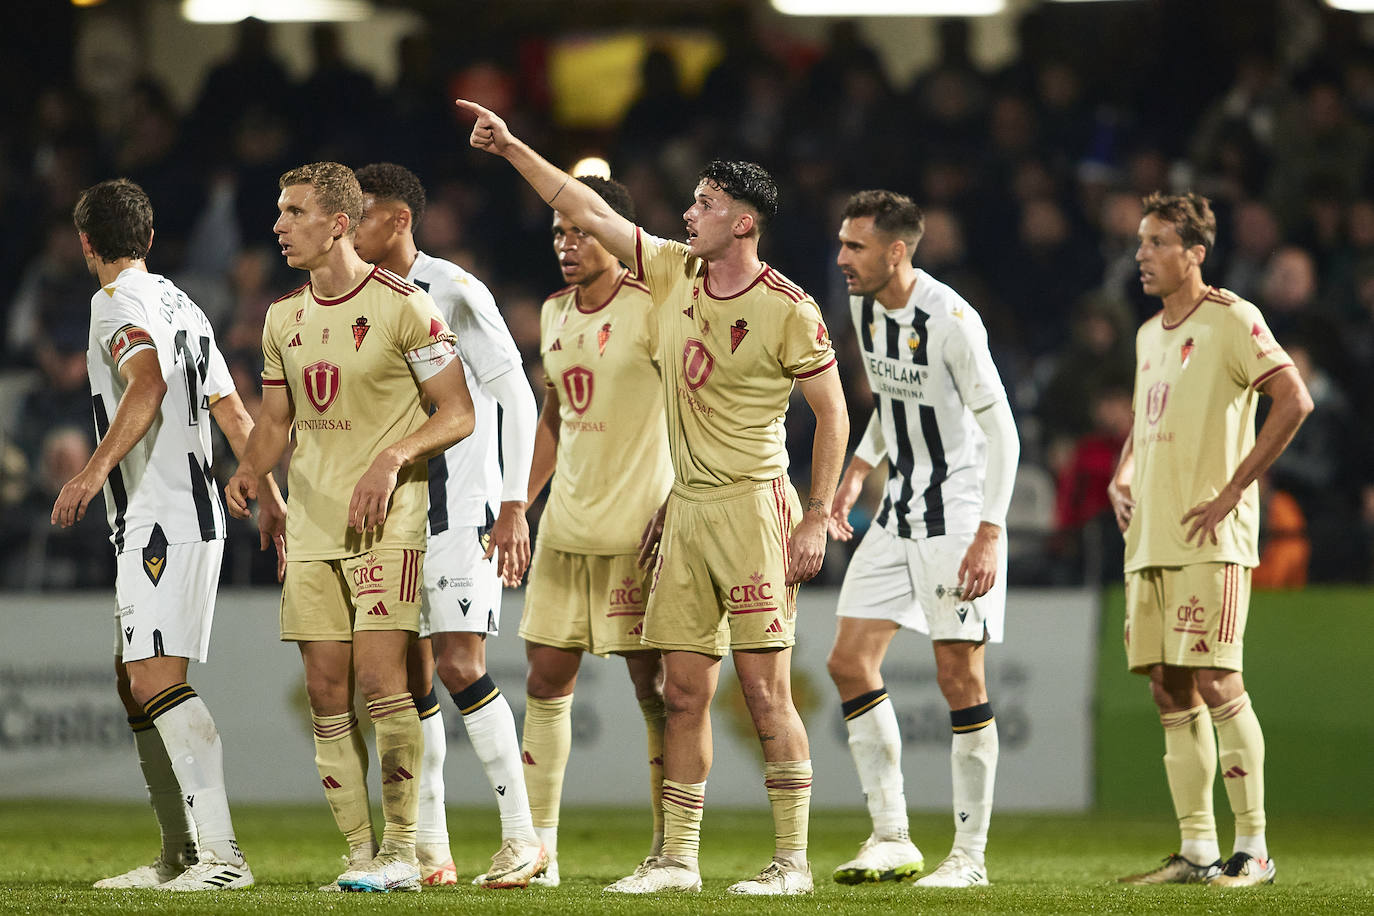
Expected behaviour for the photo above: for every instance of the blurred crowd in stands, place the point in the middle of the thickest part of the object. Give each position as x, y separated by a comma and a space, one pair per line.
1030, 179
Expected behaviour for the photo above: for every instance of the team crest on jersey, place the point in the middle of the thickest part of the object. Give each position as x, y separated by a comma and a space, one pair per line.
1155, 400
1186, 351
577, 383
321, 384
913, 343
697, 363
300, 313
603, 337
324, 336
737, 332
360, 329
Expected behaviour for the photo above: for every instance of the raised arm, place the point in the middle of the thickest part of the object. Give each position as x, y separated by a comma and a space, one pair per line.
554, 186
825, 396
138, 408
451, 421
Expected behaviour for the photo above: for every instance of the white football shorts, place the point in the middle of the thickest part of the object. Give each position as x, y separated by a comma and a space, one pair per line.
462, 590
165, 599
915, 584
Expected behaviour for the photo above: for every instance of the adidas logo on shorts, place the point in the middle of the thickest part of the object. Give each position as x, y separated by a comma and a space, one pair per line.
378, 610
774, 627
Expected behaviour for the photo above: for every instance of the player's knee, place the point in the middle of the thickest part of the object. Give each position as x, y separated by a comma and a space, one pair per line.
1218, 688
682, 700
458, 672
844, 668
547, 686
961, 689
763, 696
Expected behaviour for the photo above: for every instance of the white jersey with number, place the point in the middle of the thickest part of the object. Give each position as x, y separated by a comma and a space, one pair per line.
465, 481
929, 367
164, 482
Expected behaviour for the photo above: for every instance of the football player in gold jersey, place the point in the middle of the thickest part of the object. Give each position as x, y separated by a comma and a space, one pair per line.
735, 337
347, 359
1186, 497
603, 442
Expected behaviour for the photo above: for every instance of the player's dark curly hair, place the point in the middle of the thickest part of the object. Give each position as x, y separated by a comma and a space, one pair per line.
893, 214
1190, 214
615, 194
117, 217
389, 181
746, 181
335, 186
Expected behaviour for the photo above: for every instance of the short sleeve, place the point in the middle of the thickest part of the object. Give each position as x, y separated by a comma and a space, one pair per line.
218, 382
658, 261
806, 349
120, 325
1257, 354
970, 362
484, 341
273, 375
420, 325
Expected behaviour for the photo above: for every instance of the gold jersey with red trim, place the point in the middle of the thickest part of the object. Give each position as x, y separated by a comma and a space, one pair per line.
1196, 389
729, 363
612, 471
346, 364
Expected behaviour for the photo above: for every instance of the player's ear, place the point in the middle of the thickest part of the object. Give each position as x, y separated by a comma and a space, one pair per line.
341, 225
404, 219
744, 224
1197, 254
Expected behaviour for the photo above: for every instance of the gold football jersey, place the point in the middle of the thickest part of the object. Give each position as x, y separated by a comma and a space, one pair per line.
728, 364
613, 470
1196, 388
344, 362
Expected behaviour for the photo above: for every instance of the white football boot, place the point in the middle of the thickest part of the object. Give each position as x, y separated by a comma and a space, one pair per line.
776, 880
656, 874
957, 870
882, 860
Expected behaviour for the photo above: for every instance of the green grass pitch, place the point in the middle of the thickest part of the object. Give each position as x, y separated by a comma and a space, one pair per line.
51, 852
1307, 669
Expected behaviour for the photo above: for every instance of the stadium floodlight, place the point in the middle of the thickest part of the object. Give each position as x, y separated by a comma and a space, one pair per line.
592, 165
889, 7
1352, 6
276, 10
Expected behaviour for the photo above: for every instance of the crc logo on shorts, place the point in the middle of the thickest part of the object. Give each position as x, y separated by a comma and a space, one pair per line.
370, 577
1190, 615
321, 384
626, 599
1155, 399
754, 597
578, 383
697, 363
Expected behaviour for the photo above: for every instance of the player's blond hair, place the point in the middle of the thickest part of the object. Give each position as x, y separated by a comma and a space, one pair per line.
336, 188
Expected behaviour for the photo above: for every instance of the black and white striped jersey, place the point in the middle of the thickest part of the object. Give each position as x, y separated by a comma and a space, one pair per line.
929, 367
465, 481
165, 480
